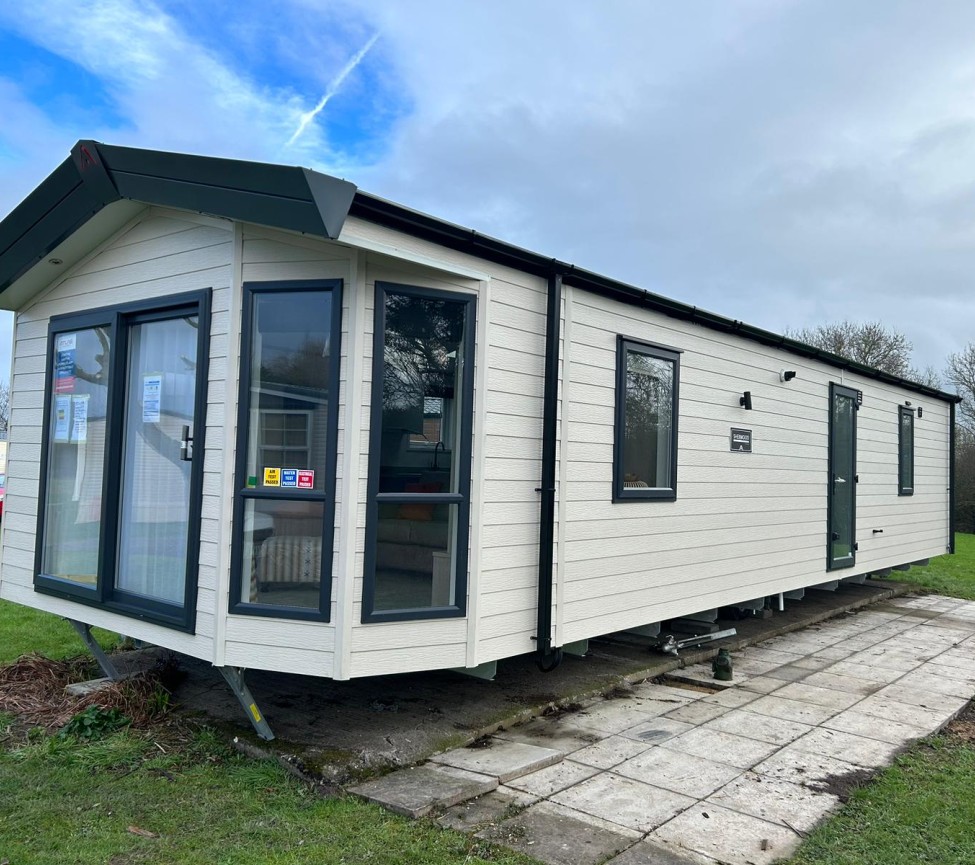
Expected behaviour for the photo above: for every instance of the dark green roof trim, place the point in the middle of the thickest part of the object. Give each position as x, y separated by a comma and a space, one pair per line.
96, 175
297, 199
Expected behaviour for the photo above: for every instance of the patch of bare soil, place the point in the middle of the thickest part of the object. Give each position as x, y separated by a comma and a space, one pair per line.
963, 727
33, 689
842, 785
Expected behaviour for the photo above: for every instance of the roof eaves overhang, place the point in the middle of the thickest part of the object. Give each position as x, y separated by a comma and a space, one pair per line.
378, 210
96, 176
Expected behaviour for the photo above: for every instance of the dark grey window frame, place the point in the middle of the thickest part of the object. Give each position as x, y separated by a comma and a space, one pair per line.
902, 488
465, 442
625, 344
833, 564
104, 595
242, 493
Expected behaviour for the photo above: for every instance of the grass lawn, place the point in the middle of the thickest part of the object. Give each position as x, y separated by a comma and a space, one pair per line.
122, 800
922, 809
23, 630
947, 575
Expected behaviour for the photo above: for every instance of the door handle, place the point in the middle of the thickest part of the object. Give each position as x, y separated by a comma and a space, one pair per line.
838, 480
185, 445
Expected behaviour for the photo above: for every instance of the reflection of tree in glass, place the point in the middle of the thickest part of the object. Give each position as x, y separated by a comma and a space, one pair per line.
103, 358
649, 391
307, 366
421, 342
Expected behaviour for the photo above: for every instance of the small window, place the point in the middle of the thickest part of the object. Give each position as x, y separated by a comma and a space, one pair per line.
645, 453
905, 452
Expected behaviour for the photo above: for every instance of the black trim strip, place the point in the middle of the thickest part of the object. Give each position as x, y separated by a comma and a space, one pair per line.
952, 442
904, 411
546, 518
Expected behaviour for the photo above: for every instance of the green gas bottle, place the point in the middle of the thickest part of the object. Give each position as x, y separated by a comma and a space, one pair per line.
721, 666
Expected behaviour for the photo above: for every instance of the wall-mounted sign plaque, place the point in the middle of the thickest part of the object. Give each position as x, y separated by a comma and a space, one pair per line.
741, 440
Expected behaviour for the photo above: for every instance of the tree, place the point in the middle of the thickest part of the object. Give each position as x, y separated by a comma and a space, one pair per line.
869, 343
4, 408
961, 373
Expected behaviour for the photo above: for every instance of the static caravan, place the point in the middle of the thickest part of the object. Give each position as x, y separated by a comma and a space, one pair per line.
268, 420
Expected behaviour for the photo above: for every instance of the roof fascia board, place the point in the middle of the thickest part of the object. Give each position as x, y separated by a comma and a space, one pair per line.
383, 212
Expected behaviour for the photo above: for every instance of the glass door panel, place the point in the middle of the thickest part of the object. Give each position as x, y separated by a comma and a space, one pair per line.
76, 455
153, 525
842, 479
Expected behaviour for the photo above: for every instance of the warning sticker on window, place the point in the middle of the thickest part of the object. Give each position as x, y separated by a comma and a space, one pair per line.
289, 477
272, 477
306, 479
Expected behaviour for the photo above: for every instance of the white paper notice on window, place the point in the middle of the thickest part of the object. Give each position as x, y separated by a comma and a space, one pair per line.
79, 425
151, 394
62, 417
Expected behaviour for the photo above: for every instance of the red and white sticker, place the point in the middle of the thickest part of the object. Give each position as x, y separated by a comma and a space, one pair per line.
306, 479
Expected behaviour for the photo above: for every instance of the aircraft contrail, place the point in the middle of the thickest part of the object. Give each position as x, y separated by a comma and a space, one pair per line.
332, 89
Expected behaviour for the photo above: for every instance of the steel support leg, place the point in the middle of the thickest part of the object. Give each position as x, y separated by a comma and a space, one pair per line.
235, 678
84, 631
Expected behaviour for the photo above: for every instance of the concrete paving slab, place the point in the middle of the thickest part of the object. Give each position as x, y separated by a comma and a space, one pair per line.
680, 773
729, 836
415, 792
614, 716
789, 673
859, 750
657, 853
791, 805
697, 713
791, 710
814, 664
926, 719
734, 698
545, 782
723, 747
922, 696
500, 759
834, 653
610, 752
553, 836
872, 727
828, 698
764, 728
625, 801
561, 734
859, 668
838, 682
806, 769
656, 731
761, 684
649, 852
493, 807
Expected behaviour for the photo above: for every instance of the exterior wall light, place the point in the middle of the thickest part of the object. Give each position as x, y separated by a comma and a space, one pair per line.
787, 374
746, 400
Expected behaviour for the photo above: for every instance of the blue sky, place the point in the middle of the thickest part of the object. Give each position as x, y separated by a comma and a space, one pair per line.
785, 162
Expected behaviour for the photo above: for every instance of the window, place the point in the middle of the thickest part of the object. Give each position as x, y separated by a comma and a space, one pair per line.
645, 452
286, 450
420, 454
905, 451
122, 458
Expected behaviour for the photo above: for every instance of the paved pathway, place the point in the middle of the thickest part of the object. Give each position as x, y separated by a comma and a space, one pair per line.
668, 774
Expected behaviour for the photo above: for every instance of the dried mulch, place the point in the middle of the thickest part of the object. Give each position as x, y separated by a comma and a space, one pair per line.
33, 689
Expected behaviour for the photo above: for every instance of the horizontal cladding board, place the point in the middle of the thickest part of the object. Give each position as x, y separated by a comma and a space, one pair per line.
507, 646
282, 633
295, 270
263, 250
410, 659
689, 547
392, 636
282, 659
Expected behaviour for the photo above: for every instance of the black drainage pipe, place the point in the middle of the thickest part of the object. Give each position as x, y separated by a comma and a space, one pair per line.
546, 657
